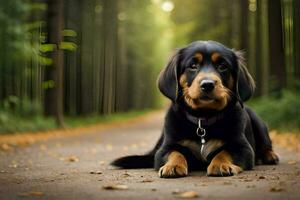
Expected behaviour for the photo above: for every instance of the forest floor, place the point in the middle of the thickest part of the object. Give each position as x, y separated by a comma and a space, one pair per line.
75, 165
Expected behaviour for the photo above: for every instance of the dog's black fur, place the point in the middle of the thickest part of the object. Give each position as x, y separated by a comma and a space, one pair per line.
243, 135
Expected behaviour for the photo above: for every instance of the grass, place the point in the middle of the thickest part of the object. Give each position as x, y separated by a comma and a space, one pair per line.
11, 123
281, 113
94, 119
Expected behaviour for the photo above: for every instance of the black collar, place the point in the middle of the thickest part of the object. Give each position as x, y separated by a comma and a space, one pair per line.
204, 121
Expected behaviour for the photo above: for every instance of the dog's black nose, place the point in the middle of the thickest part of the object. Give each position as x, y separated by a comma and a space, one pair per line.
207, 85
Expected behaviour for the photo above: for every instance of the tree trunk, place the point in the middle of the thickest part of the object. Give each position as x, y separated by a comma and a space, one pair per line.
258, 48
296, 42
244, 25
110, 47
276, 44
54, 95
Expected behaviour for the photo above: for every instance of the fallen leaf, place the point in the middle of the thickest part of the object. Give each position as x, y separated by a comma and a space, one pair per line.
176, 191
102, 162
276, 189
147, 181
188, 195
227, 183
115, 187
73, 159
96, 172
6, 147
125, 175
13, 165
35, 193
292, 162
261, 177
32, 193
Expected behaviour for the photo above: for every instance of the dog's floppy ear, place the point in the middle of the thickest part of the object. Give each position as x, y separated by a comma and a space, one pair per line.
245, 84
168, 77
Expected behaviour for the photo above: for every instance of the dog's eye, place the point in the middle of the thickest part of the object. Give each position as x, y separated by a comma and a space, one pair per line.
193, 66
222, 67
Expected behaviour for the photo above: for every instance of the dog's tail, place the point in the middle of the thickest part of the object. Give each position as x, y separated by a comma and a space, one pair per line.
138, 161
134, 162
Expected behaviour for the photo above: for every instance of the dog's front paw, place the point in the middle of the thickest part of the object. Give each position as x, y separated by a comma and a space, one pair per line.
173, 171
176, 166
223, 169
270, 158
222, 165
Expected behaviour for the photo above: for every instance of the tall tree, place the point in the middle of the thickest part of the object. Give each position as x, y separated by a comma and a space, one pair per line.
110, 27
54, 73
258, 47
244, 24
276, 43
296, 27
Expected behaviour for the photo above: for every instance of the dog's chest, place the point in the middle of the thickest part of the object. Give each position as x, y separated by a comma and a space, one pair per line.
208, 148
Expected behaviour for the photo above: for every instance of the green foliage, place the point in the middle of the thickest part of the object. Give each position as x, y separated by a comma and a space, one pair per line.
69, 46
279, 112
22, 116
69, 33
78, 121
47, 48
13, 122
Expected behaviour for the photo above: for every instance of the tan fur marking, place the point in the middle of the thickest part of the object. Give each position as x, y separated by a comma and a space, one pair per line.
210, 146
221, 165
215, 56
231, 83
176, 166
193, 93
270, 157
199, 57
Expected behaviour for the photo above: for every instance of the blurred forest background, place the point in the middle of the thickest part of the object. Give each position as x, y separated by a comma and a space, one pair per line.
65, 61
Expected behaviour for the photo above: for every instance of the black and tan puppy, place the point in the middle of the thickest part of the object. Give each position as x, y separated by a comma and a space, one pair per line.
207, 126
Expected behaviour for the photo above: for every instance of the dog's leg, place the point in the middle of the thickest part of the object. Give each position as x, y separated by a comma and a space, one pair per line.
222, 165
176, 166
264, 150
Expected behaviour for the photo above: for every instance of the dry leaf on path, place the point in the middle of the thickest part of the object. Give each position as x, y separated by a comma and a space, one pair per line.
188, 195
292, 162
6, 147
95, 172
276, 189
73, 159
36, 193
115, 187
147, 180
32, 193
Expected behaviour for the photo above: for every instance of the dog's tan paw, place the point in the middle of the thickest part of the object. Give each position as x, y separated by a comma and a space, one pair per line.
270, 158
172, 171
175, 167
221, 165
223, 169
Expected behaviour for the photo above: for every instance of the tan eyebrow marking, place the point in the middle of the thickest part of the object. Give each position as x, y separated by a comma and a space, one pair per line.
199, 56
215, 56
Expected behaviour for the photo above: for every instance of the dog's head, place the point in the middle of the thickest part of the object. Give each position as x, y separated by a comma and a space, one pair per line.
207, 75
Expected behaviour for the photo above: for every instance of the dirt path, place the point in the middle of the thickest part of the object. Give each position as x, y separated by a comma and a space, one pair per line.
76, 167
